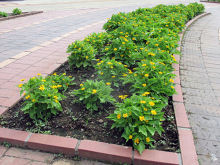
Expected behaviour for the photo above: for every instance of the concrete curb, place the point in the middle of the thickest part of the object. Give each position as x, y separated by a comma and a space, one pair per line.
22, 15
111, 152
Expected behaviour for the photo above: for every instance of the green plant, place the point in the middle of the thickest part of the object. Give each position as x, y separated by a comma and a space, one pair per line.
139, 118
16, 11
6, 144
111, 71
97, 40
82, 54
3, 14
42, 98
92, 94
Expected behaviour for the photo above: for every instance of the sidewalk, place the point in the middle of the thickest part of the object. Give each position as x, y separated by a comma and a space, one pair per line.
200, 80
39, 46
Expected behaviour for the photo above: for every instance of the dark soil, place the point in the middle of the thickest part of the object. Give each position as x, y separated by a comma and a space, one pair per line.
76, 121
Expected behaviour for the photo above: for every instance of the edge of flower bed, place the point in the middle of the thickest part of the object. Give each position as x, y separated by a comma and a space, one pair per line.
210, 1
111, 152
21, 15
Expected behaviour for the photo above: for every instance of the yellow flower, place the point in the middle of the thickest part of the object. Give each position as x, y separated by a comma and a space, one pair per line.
115, 49
106, 48
111, 67
97, 59
141, 48
87, 57
54, 87
33, 100
156, 44
53, 81
148, 139
123, 42
59, 86
43, 80
153, 112
22, 79
171, 80
145, 109
146, 121
143, 102
121, 55
151, 103
109, 63
64, 74
144, 85
137, 141
130, 137
99, 63
79, 48
94, 91
113, 76
56, 101
144, 64
125, 115
20, 85
124, 74
152, 63
70, 76
119, 116
24, 94
55, 97
146, 49
135, 74
55, 74
108, 83
82, 88
101, 73
141, 118
125, 66
172, 87
133, 38
38, 74
154, 67
160, 72
41, 87
81, 85
146, 75
28, 96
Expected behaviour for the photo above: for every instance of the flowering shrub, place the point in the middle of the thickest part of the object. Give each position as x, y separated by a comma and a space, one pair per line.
122, 50
92, 94
97, 40
41, 97
111, 71
152, 77
140, 117
62, 80
82, 54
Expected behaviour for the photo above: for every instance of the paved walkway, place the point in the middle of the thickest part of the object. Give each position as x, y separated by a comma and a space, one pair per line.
200, 80
38, 44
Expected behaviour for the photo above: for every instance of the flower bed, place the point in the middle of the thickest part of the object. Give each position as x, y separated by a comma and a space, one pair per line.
149, 52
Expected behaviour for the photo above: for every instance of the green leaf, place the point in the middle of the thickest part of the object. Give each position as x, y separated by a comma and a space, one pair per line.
151, 130
142, 129
94, 107
141, 147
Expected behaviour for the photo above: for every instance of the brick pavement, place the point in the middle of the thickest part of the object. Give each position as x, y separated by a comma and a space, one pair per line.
200, 80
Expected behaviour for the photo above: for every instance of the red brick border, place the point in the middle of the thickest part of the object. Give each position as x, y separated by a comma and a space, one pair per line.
112, 152
21, 15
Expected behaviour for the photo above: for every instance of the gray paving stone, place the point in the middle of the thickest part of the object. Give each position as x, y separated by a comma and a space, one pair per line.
200, 100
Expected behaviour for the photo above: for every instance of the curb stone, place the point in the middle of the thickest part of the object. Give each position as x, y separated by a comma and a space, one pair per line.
21, 15
112, 152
